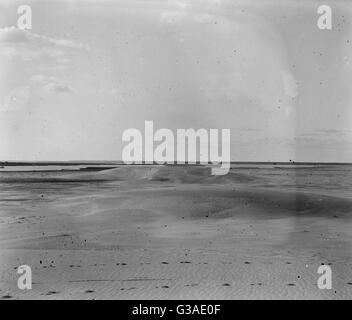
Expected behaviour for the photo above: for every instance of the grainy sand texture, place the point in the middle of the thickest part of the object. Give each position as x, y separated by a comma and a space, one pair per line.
177, 232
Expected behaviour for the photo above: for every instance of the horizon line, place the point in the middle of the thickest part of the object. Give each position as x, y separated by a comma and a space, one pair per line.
120, 162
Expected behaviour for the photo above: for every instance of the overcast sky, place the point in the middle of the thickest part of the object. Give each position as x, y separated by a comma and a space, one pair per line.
89, 70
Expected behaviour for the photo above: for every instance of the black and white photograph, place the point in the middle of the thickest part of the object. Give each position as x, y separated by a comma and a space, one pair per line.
175, 150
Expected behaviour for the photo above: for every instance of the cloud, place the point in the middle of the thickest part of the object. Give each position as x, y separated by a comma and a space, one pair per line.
323, 133
57, 87
17, 98
12, 34
176, 16
27, 45
50, 84
179, 4
325, 137
194, 10
172, 17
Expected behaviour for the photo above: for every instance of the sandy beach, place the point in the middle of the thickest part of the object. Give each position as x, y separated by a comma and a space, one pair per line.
176, 232
176, 150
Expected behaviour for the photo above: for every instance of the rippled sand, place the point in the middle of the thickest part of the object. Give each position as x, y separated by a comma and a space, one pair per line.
170, 232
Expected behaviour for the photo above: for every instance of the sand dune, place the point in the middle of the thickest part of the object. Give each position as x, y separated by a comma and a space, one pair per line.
170, 173
163, 173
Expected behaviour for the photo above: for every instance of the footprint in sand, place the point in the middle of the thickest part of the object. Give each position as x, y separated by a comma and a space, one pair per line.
191, 285
52, 292
89, 291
